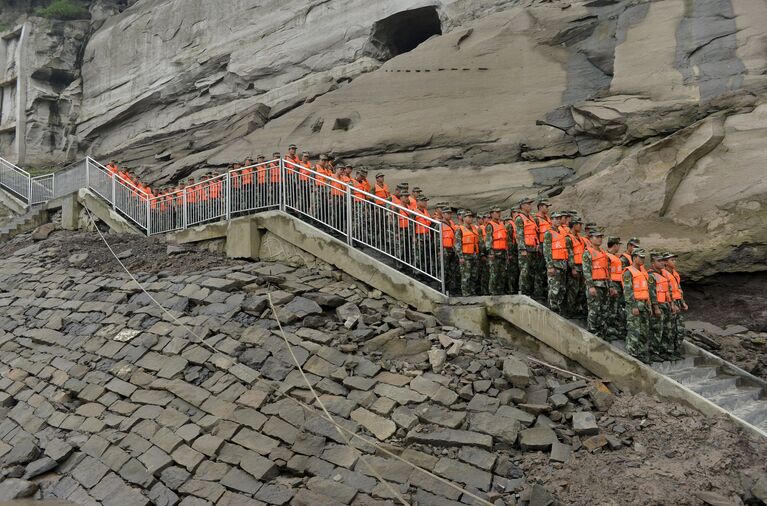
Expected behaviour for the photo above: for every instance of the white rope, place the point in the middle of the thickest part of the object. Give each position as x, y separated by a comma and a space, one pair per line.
340, 428
324, 409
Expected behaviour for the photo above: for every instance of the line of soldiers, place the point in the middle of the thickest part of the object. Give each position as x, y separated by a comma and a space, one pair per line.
549, 257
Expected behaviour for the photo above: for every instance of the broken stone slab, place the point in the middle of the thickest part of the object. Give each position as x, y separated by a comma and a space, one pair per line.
516, 371
437, 359
584, 423
595, 442
450, 437
503, 429
537, 438
560, 452
437, 415
15, 488
380, 427
463, 473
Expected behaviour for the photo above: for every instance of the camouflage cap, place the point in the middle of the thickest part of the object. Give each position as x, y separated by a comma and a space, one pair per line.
305, 153
379, 175
404, 192
634, 241
364, 171
639, 252
446, 209
526, 200
417, 189
613, 239
556, 214
668, 254
543, 202
404, 185
292, 146
495, 209
576, 221
596, 233
260, 157
572, 212
467, 212
656, 255
323, 156
422, 198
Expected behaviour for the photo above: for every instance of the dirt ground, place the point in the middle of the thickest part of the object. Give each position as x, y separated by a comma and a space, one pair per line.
676, 454
139, 254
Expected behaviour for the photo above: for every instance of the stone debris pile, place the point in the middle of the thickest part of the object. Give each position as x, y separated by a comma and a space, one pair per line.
106, 400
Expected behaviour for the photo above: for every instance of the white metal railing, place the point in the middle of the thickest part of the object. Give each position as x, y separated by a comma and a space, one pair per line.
410, 240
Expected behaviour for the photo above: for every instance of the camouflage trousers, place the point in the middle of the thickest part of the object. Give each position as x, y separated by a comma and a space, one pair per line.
526, 272
469, 275
512, 271
541, 278
557, 284
452, 273
678, 330
484, 276
638, 332
497, 272
616, 316
576, 293
660, 333
598, 310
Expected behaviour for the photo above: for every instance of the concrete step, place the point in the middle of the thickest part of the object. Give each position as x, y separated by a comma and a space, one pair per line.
669, 367
754, 413
714, 386
693, 374
743, 396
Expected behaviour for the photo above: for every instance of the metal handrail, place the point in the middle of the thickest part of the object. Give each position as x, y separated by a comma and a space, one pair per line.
411, 240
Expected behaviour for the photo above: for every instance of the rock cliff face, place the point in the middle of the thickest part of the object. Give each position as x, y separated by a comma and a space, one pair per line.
647, 116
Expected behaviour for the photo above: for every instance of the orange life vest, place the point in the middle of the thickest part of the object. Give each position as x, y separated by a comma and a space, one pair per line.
673, 282
402, 214
627, 256
448, 235
303, 173
274, 173
383, 191
639, 283
544, 223
530, 231
558, 245
469, 240
500, 236
247, 176
600, 264
338, 187
360, 185
578, 247
616, 269
423, 224
321, 171
662, 290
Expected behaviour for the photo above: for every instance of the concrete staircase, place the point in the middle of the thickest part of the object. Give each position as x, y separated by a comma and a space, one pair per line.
738, 394
33, 218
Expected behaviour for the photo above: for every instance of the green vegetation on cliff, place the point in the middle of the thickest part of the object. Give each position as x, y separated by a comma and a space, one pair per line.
64, 9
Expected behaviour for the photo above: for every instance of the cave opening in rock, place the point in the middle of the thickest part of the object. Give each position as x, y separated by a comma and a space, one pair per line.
403, 32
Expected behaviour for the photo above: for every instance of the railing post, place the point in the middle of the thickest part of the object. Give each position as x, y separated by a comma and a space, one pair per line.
148, 218
88, 174
53, 186
114, 198
441, 260
349, 217
29, 191
282, 184
184, 217
228, 195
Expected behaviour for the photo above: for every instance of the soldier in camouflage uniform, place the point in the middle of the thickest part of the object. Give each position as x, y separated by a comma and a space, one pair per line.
544, 223
576, 289
596, 274
556, 270
616, 311
661, 347
452, 273
631, 245
496, 244
677, 319
637, 310
483, 287
512, 268
467, 250
528, 246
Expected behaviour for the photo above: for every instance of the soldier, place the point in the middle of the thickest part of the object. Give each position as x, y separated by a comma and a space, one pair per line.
497, 247
677, 299
576, 293
423, 234
544, 223
616, 314
555, 256
292, 156
467, 251
636, 294
660, 321
596, 275
452, 274
512, 269
527, 242
484, 269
